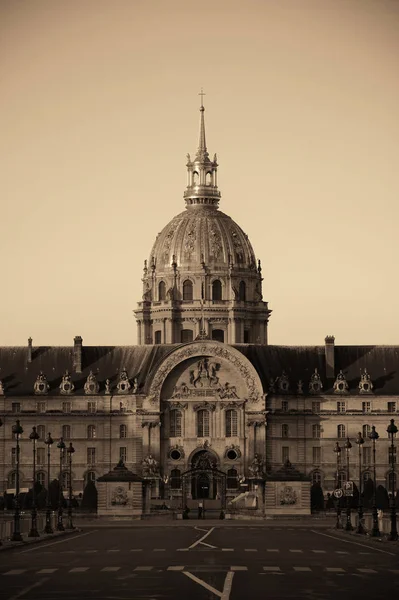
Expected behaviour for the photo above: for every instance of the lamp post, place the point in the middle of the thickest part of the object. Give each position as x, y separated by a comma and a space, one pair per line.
1, 423
375, 532
34, 436
48, 529
70, 451
16, 536
360, 528
337, 450
348, 525
60, 525
392, 431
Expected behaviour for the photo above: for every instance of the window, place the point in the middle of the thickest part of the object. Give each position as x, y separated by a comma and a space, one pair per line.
161, 290
66, 432
391, 407
186, 335
316, 455
13, 457
175, 423
341, 407
64, 457
341, 478
366, 429
91, 456
65, 479
91, 407
285, 453
175, 479
284, 405
316, 430
366, 476
202, 423
284, 430
41, 478
366, 456
66, 407
41, 456
246, 336
158, 337
341, 431
231, 423
232, 479
316, 477
91, 432
12, 480
391, 479
41, 407
123, 453
187, 290
390, 456
316, 407
90, 477
122, 431
218, 335
216, 290
16, 407
41, 432
366, 407
242, 291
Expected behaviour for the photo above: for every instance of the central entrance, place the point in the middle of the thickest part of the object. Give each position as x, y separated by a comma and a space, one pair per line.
204, 481
202, 486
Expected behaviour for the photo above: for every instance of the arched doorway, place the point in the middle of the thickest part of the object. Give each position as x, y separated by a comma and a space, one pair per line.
204, 480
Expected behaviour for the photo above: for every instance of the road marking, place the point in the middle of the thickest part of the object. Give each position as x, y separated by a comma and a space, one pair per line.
302, 569
250, 550
335, 570
227, 549
319, 551
366, 571
143, 569
46, 571
136, 549
90, 551
300, 551
238, 568
224, 595
108, 569
350, 542
201, 539
343, 552
175, 568
28, 589
272, 550
208, 545
113, 550
182, 549
67, 539
79, 569
200, 529
159, 549
271, 569
15, 572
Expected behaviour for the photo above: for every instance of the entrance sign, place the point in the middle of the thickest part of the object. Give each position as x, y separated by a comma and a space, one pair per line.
338, 493
348, 488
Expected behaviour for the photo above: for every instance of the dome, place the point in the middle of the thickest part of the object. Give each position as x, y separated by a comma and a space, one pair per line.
202, 234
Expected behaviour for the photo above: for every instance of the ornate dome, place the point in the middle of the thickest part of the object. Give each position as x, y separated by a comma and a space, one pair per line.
202, 234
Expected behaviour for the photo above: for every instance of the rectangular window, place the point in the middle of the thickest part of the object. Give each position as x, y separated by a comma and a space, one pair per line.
284, 405
231, 423
66, 407
158, 337
91, 456
202, 423
285, 453
41, 407
391, 407
13, 457
175, 423
123, 453
16, 407
284, 430
341, 407
316, 455
316, 407
91, 407
366, 456
390, 455
366, 407
41, 456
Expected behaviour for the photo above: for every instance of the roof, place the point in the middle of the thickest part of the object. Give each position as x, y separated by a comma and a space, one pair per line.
120, 473
299, 362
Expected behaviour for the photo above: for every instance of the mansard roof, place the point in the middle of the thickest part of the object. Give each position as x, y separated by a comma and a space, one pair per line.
107, 362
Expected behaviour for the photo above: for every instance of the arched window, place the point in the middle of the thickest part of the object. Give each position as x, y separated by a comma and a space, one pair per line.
231, 423
316, 429
186, 336
90, 476
175, 423
12, 480
366, 429
122, 431
341, 431
91, 432
208, 178
41, 432
188, 290
195, 178
232, 479
202, 423
217, 290
161, 290
218, 335
316, 477
284, 430
66, 432
175, 479
65, 479
41, 478
242, 291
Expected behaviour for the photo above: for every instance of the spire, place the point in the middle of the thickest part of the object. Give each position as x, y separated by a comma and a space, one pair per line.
202, 152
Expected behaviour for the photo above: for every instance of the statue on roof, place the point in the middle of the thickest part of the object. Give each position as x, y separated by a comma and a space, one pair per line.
365, 384
66, 385
41, 385
123, 384
107, 386
340, 384
150, 466
256, 467
315, 385
91, 385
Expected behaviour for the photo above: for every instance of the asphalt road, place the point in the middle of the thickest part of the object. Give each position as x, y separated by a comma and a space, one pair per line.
201, 563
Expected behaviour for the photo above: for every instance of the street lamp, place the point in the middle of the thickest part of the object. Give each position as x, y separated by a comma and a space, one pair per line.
375, 532
16, 536
348, 525
392, 431
48, 529
337, 450
360, 528
60, 525
70, 451
34, 436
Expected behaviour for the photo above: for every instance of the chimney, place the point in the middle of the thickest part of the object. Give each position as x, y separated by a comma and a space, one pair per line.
329, 352
77, 354
30, 350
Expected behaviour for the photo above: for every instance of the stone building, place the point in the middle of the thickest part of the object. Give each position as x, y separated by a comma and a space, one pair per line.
203, 388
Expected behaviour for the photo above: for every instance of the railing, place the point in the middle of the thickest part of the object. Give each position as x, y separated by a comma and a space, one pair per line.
7, 524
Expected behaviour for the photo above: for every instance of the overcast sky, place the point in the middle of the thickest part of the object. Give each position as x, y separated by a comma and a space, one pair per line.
99, 107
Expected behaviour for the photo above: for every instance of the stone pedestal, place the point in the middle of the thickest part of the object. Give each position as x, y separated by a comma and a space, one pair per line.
120, 493
287, 493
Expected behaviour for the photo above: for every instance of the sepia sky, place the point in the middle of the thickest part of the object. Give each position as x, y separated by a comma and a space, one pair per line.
98, 108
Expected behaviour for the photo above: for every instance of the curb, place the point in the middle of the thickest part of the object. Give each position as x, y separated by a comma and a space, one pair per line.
27, 541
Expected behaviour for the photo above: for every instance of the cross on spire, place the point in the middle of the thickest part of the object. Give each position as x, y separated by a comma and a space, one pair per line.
202, 94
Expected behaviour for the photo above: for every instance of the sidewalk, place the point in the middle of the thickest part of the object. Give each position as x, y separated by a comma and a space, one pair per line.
7, 544
307, 522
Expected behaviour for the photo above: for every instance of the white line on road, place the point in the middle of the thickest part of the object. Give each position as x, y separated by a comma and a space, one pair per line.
46, 571
302, 569
209, 545
28, 589
225, 595
350, 542
271, 569
79, 569
67, 539
201, 539
176, 568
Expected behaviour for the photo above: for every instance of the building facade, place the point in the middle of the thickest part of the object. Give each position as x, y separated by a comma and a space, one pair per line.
203, 386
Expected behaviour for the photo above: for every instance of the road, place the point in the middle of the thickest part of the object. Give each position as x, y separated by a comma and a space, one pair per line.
201, 563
